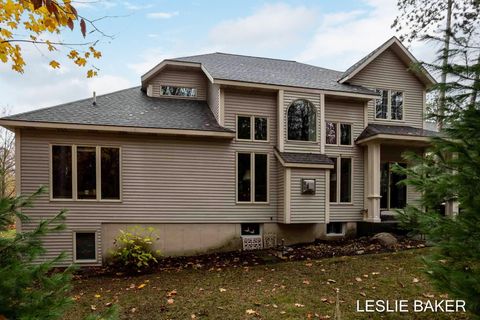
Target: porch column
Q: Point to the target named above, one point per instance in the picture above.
(373, 185)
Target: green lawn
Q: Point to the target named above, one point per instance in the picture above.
(289, 290)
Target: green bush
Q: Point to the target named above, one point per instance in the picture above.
(133, 250)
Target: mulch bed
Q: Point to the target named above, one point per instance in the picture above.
(235, 259)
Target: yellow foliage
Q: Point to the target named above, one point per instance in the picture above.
(50, 18)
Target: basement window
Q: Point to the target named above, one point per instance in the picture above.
(250, 229)
(85, 246)
(178, 91)
(335, 228)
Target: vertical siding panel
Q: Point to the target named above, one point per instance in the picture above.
(307, 208)
(338, 110)
(213, 100)
(387, 71)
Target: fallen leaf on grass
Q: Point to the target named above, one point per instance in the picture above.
(363, 294)
(170, 301)
(358, 279)
(108, 304)
(141, 286)
(306, 282)
(375, 273)
(193, 316)
(222, 289)
(133, 310)
(97, 296)
(308, 264)
(415, 280)
(331, 280)
(172, 293)
(299, 305)
(428, 295)
(251, 312)
(93, 307)
(282, 312)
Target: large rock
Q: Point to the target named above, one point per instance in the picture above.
(385, 239)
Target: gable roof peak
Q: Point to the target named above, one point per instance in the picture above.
(402, 52)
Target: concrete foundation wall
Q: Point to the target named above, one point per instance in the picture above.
(193, 239)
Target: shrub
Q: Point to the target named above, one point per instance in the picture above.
(133, 250)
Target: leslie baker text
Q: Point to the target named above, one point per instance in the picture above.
(404, 306)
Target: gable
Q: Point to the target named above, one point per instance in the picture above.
(179, 77)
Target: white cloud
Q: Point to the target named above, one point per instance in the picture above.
(150, 59)
(271, 27)
(162, 15)
(343, 38)
(135, 6)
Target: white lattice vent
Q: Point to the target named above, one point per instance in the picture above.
(270, 240)
(252, 242)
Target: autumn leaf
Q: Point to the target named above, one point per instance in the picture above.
(415, 280)
(251, 312)
(299, 305)
(141, 286)
(54, 64)
(170, 301)
(97, 296)
(91, 73)
(222, 290)
(83, 27)
(93, 307)
(358, 279)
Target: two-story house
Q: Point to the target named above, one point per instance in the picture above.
(216, 148)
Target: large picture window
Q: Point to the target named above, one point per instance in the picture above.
(252, 128)
(302, 121)
(62, 172)
(96, 167)
(252, 177)
(341, 180)
(389, 105)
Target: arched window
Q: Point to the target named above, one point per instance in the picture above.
(302, 122)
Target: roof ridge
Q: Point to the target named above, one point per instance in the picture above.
(257, 57)
(62, 104)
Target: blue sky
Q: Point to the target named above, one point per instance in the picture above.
(328, 33)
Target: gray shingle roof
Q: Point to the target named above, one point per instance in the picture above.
(375, 129)
(131, 108)
(304, 158)
(272, 71)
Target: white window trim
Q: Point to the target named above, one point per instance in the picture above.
(338, 188)
(252, 127)
(389, 106)
(74, 233)
(252, 178)
(317, 129)
(338, 134)
(335, 234)
(74, 173)
(178, 86)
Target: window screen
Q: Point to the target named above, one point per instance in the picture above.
(61, 172)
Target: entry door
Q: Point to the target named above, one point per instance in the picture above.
(394, 195)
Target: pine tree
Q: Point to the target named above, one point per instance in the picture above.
(30, 290)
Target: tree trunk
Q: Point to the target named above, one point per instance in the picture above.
(446, 51)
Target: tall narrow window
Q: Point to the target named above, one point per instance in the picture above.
(86, 173)
(331, 134)
(341, 180)
(244, 177)
(261, 128)
(244, 128)
(62, 172)
(381, 104)
(302, 121)
(345, 180)
(333, 181)
(260, 178)
(397, 105)
(345, 134)
(252, 177)
(85, 246)
(110, 169)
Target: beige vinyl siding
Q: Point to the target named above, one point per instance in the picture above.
(281, 192)
(165, 180)
(301, 146)
(347, 111)
(182, 78)
(213, 100)
(307, 208)
(387, 71)
(247, 102)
